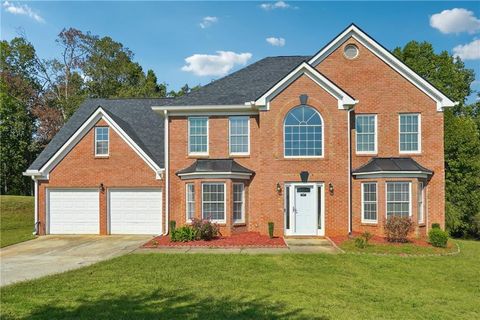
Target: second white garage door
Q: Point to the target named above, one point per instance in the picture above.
(135, 211)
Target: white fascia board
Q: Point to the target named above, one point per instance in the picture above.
(215, 175)
(205, 108)
(80, 133)
(386, 56)
(344, 100)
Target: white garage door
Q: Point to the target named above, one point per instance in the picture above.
(73, 211)
(135, 211)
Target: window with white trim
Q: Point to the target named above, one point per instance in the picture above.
(198, 135)
(369, 202)
(190, 196)
(101, 141)
(409, 138)
(238, 202)
(303, 133)
(366, 131)
(421, 202)
(398, 199)
(239, 135)
(213, 201)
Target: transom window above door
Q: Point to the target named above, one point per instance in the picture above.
(303, 133)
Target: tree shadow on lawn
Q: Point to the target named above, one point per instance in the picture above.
(172, 305)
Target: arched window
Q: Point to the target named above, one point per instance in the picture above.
(303, 133)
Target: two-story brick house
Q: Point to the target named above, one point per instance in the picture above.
(320, 145)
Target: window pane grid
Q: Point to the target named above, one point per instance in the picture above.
(365, 133)
(190, 201)
(420, 202)
(239, 134)
(303, 132)
(369, 201)
(409, 132)
(213, 201)
(101, 140)
(238, 202)
(398, 199)
(198, 135)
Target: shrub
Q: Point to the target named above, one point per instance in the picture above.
(397, 228)
(184, 234)
(437, 237)
(362, 241)
(173, 224)
(435, 225)
(205, 229)
(270, 229)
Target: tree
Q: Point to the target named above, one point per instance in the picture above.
(18, 95)
(462, 136)
(183, 91)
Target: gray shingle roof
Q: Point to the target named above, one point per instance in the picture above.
(134, 116)
(391, 164)
(215, 165)
(244, 85)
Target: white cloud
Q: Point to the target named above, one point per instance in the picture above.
(208, 21)
(218, 64)
(22, 10)
(469, 51)
(455, 21)
(275, 5)
(276, 42)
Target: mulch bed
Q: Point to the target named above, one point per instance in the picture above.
(241, 240)
(380, 240)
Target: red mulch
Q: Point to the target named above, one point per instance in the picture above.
(379, 240)
(241, 240)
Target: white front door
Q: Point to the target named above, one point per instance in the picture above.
(135, 211)
(305, 211)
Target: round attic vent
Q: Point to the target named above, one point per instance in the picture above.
(351, 51)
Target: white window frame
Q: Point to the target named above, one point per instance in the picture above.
(108, 142)
(421, 202)
(323, 137)
(419, 133)
(224, 201)
(375, 150)
(242, 219)
(409, 197)
(230, 136)
(187, 201)
(363, 203)
(208, 137)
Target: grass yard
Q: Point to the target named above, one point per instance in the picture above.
(398, 248)
(16, 219)
(182, 286)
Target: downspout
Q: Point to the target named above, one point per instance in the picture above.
(35, 193)
(167, 193)
(349, 133)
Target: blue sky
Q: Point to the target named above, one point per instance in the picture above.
(217, 38)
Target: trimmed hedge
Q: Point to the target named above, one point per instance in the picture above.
(438, 238)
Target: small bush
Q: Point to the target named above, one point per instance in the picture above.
(270, 229)
(435, 225)
(362, 241)
(205, 229)
(184, 234)
(437, 237)
(173, 224)
(397, 228)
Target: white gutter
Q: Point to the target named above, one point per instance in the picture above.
(167, 193)
(349, 172)
(35, 193)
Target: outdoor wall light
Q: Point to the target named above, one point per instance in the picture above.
(101, 187)
(279, 188)
(330, 188)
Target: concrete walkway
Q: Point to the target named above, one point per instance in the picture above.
(54, 254)
(293, 246)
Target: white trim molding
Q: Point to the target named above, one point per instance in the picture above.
(345, 101)
(386, 56)
(80, 133)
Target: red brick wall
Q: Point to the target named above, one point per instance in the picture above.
(81, 169)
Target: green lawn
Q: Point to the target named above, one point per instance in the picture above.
(16, 219)
(345, 286)
(398, 248)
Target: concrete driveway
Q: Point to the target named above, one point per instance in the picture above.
(54, 254)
